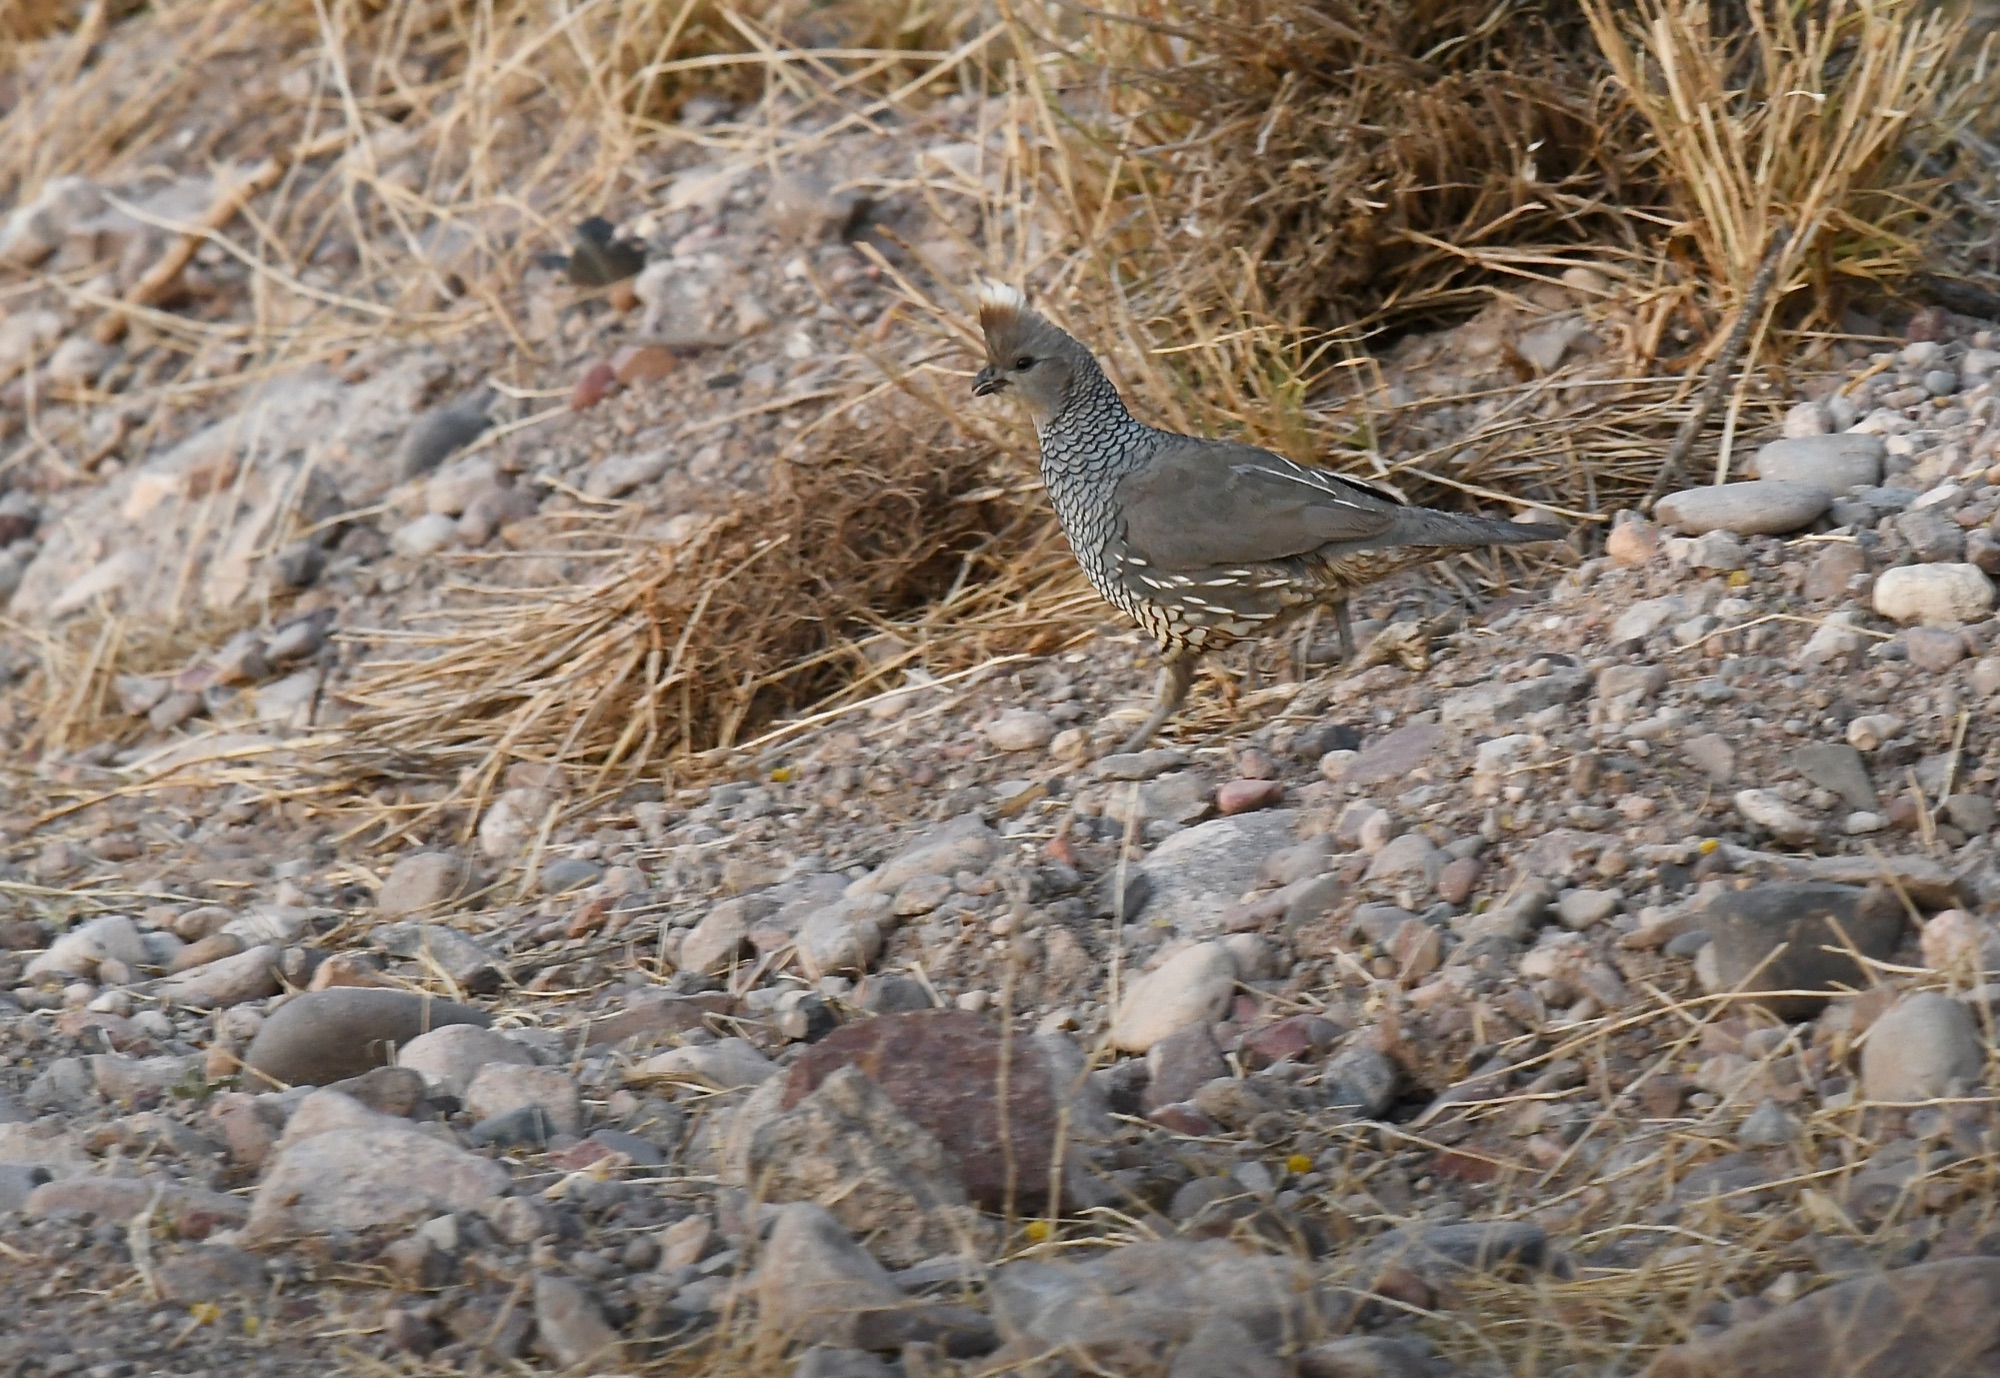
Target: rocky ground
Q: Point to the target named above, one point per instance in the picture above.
(1387, 1022)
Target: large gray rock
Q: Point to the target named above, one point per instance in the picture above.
(847, 1147)
(1776, 936)
(1197, 874)
(364, 1178)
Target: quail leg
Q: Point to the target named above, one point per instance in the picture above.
(1302, 647)
(1340, 620)
(1175, 676)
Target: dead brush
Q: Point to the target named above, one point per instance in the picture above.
(883, 549)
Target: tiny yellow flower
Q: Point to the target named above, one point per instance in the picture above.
(1037, 1230)
(1739, 578)
(1298, 1165)
(781, 775)
(205, 1313)
(1708, 844)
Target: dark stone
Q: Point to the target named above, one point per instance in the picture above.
(1838, 767)
(1181, 1064)
(395, 1091)
(326, 1036)
(1804, 918)
(1394, 756)
(525, 1126)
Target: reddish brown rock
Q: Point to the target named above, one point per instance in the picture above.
(942, 1069)
(1242, 796)
(597, 383)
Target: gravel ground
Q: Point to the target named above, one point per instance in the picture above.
(1594, 970)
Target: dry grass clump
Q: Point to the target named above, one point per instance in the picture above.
(1346, 155)
(898, 543)
(1796, 116)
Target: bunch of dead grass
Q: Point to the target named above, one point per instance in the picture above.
(898, 544)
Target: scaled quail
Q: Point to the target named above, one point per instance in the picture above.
(1202, 542)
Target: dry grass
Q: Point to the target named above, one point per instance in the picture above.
(899, 545)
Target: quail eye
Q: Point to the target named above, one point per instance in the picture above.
(1024, 363)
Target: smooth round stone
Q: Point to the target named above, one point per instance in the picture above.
(1761, 507)
(1191, 987)
(1927, 1046)
(1840, 462)
(1938, 595)
(329, 1035)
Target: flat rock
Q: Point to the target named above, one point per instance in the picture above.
(1394, 755)
(79, 952)
(1198, 873)
(330, 1035)
(191, 1212)
(1927, 1046)
(1939, 595)
(1021, 729)
(469, 963)
(1191, 987)
(1747, 928)
(1839, 462)
(1838, 767)
(1181, 796)
(570, 1325)
(1919, 1322)
(1770, 812)
(1760, 507)
(362, 1179)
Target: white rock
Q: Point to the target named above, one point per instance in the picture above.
(500, 1087)
(1775, 816)
(109, 937)
(1926, 1047)
(1937, 595)
(1199, 872)
(36, 230)
(1021, 729)
(23, 335)
(842, 939)
(1191, 987)
(512, 821)
(78, 362)
(362, 1179)
(1807, 419)
(1409, 857)
(426, 535)
(451, 489)
(724, 1064)
(1834, 639)
(964, 843)
(1645, 617)
(449, 1058)
(1870, 730)
(616, 475)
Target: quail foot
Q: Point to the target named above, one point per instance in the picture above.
(1202, 542)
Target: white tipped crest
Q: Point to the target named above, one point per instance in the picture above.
(1000, 305)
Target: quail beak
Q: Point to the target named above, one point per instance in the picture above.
(988, 381)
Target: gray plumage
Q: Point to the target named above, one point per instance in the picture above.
(1202, 542)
